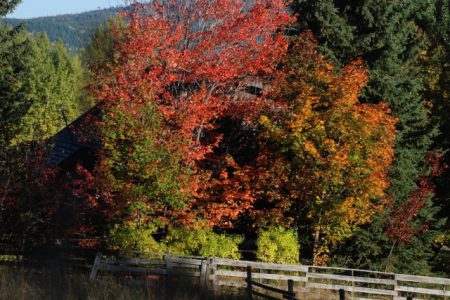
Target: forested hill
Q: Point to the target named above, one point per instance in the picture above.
(73, 29)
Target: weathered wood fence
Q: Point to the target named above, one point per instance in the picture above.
(274, 279)
(139, 270)
(289, 294)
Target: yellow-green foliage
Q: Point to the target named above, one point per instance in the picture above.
(129, 239)
(53, 87)
(278, 245)
(203, 242)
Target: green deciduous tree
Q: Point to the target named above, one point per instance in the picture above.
(139, 181)
(53, 91)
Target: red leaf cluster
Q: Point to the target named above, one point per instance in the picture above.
(401, 227)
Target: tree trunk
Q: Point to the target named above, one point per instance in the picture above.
(316, 247)
(388, 261)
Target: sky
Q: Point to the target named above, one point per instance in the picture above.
(41, 8)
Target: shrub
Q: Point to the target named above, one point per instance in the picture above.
(129, 238)
(278, 245)
(202, 242)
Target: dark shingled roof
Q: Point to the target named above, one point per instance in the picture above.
(66, 142)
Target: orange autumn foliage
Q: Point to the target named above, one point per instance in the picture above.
(338, 149)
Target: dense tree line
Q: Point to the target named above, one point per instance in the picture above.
(328, 146)
(74, 30)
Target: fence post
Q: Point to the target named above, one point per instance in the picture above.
(168, 261)
(307, 280)
(395, 285)
(203, 272)
(341, 294)
(353, 284)
(212, 271)
(95, 267)
(291, 289)
(168, 283)
(409, 297)
(249, 283)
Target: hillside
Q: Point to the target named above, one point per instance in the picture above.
(73, 29)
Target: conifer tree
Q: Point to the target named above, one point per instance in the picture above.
(437, 84)
(7, 6)
(15, 57)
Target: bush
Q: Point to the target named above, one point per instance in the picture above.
(128, 238)
(278, 245)
(203, 242)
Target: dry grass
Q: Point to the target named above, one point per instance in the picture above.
(25, 283)
(32, 283)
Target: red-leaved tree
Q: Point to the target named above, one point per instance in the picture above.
(187, 63)
(191, 57)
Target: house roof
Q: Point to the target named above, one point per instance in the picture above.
(68, 141)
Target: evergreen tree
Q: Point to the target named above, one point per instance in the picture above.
(15, 59)
(437, 83)
(370, 249)
(386, 35)
(7, 6)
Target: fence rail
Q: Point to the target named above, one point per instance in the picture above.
(171, 266)
(288, 280)
(289, 294)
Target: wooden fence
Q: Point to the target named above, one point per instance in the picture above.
(137, 270)
(215, 273)
(288, 295)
